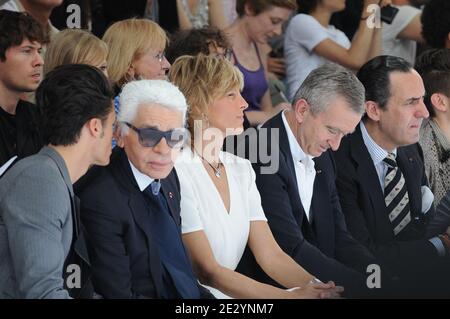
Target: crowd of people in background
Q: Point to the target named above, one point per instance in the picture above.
(225, 149)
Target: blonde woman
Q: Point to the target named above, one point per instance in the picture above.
(74, 46)
(220, 204)
(136, 51)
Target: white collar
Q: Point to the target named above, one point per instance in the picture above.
(141, 179)
(297, 152)
(377, 153)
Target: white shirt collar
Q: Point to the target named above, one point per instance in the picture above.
(377, 153)
(297, 153)
(141, 179)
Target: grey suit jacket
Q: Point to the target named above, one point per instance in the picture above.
(35, 227)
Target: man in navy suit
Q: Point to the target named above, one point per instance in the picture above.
(131, 208)
(297, 180)
(381, 179)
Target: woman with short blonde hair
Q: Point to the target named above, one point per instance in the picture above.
(75, 46)
(210, 80)
(136, 51)
(221, 208)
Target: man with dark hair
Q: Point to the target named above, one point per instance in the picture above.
(21, 64)
(381, 179)
(434, 67)
(436, 23)
(42, 247)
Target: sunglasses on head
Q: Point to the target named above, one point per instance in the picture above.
(149, 137)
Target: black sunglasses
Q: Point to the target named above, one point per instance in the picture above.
(149, 137)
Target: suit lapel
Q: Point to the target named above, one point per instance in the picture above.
(79, 237)
(79, 242)
(409, 168)
(136, 200)
(169, 195)
(368, 175)
(320, 191)
(322, 226)
(139, 209)
(140, 213)
(286, 155)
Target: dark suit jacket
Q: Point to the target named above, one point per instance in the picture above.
(124, 256)
(323, 246)
(441, 220)
(364, 208)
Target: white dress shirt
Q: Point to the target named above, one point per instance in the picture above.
(141, 179)
(304, 169)
(377, 153)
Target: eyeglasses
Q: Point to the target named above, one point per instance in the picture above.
(160, 56)
(149, 137)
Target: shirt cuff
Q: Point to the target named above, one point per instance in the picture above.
(437, 243)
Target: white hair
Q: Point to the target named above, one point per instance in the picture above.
(159, 92)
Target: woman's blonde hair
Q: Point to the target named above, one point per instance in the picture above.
(74, 46)
(127, 41)
(202, 79)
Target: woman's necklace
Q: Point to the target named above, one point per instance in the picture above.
(217, 171)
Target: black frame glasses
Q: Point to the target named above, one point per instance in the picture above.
(149, 137)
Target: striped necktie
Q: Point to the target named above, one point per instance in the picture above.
(396, 195)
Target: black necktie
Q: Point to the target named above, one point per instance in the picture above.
(171, 250)
(396, 195)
